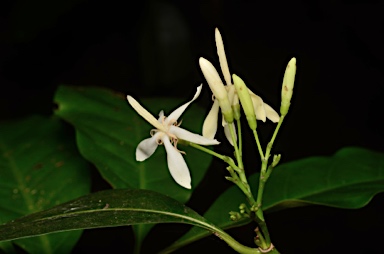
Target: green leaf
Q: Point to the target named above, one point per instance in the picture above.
(108, 208)
(39, 168)
(111, 208)
(349, 179)
(108, 131)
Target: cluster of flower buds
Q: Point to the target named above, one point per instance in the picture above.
(227, 97)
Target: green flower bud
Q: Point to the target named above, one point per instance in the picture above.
(246, 101)
(276, 160)
(287, 88)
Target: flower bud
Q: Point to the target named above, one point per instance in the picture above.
(276, 160)
(217, 88)
(245, 100)
(287, 88)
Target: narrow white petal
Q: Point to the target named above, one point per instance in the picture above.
(161, 115)
(176, 165)
(174, 116)
(227, 133)
(144, 113)
(147, 147)
(222, 58)
(271, 113)
(223, 122)
(192, 137)
(258, 106)
(210, 122)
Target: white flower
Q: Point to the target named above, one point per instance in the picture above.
(262, 110)
(168, 132)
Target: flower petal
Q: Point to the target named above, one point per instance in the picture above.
(174, 116)
(191, 137)
(222, 58)
(223, 122)
(144, 113)
(147, 147)
(210, 122)
(271, 113)
(227, 133)
(258, 106)
(176, 165)
(161, 116)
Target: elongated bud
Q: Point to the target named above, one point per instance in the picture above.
(287, 88)
(222, 57)
(245, 100)
(217, 88)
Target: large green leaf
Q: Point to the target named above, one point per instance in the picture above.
(349, 179)
(108, 131)
(39, 168)
(111, 208)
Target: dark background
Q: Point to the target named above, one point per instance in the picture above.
(149, 48)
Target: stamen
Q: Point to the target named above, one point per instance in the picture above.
(172, 136)
(178, 124)
(172, 122)
(174, 140)
(153, 132)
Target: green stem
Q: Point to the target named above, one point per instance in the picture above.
(236, 245)
(264, 175)
(239, 158)
(244, 188)
(261, 240)
(224, 158)
(258, 144)
(270, 144)
(241, 248)
(237, 152)
(263, 226)
(240, 137)
(242, 183)
(208, 151)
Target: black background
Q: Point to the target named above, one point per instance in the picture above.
(150, 48)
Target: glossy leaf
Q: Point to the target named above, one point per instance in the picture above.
(110, 208)
(349, 179)
(108, 131)
(39, 168)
